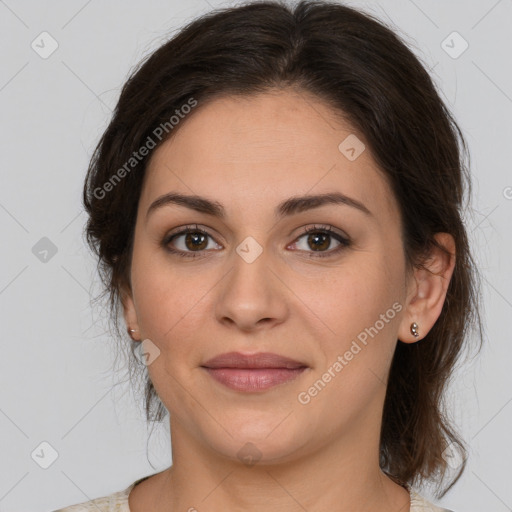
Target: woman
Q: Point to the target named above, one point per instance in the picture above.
(277, 210)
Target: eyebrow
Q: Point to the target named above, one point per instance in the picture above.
(291, 206)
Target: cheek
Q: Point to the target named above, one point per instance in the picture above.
(168, 309)
(348, 298)
(168, 295)
(357, 348)
(356, 315)
(171, 319)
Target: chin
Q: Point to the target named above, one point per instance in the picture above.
(260, 443)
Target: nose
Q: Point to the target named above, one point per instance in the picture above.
(251, 296)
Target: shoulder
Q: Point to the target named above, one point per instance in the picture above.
(115, 502)
(420, 504)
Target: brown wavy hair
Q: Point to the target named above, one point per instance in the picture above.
(366, 73)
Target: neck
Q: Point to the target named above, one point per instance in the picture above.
(342, 475)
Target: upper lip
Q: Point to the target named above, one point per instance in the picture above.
(258, 360)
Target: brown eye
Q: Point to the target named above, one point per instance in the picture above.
(319, 240)
(195, 240)
(187, 242)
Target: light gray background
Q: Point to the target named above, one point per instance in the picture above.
(56, 378)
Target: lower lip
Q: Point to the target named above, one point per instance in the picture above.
(253, 379)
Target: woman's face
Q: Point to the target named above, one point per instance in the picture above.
(256, 283)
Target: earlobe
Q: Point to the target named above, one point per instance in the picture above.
(431, 281)
(131, 333)
(129, 313)
(414, 329)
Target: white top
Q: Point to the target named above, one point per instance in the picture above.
(118, 502)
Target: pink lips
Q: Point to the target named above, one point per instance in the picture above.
(253, 372)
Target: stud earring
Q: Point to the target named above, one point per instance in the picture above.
(414, 329)
(130, 333)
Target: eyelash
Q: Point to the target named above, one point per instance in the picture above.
(344, 242)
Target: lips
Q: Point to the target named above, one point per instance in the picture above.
(256, 361)
(253, 372)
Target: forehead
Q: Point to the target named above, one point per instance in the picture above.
(265, 148)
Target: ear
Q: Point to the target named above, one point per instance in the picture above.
(129, 312)
(427, 290)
